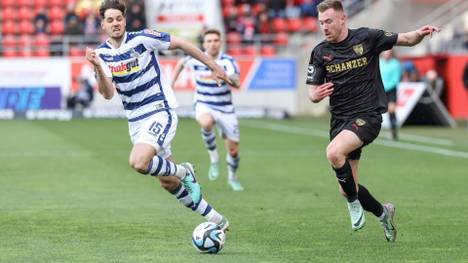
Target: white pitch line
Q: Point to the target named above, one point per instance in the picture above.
(423, 139)
(392, 144)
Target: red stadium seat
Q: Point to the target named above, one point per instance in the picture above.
(268, 51)
(25, 13)
(24, 41)
(250, 50)
(8, 3)
(294, 24)
(41, 52)
(26, 27)
(8, 53)
(233, 38)
(281, 39)
(25, 52)
(228, 2)
(309, 24)
(58, 3)
(56, 13)
(24, 3)
(9, 41)
(279, 25)
(56, 28)
(41, 40)
(40, 3)
(9, 28)
(234, 51)
(8, 14)
(76, 52)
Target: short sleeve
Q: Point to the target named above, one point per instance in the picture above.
(231, 67)
(187, 61)
(383, 40)
(105, 67)
(315, 70)
(155, 40)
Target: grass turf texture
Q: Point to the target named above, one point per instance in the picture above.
(67, 194)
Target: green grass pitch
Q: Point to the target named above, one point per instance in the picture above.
(67, 194)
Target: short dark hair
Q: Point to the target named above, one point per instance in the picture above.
(112, 4)
(211, 31)
(327, 4)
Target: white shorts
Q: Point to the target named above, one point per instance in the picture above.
(227, 122)
(157, 130)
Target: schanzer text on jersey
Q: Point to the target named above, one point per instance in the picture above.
(352, 65)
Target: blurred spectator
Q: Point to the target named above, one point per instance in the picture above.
(41, 21)
(292, 11)
(73, 27)
(91, 25)
(276, 8)
(390, 71)
(434, 81)
(83, 97)
(246, 25)
(136, 16)
(309, 8)
(231, 20)
(70, 12)
(409, 72)
(263, 23)
(85, 7)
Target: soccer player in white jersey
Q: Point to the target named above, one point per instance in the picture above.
(213, 105)
(127, 63)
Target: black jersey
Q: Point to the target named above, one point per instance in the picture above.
(352, 65)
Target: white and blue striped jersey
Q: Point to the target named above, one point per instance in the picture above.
(136, 73)
(206, 89)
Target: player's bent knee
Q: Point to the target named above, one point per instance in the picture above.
(333, 156)
(140, 166)
(233, 151)
(207, 126)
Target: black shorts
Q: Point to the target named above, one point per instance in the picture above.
(391, 95)
(366, 127)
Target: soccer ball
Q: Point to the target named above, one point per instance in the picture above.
(208, 238)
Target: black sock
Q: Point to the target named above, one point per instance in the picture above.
(368, 202)
(393, 125)
(346, 180)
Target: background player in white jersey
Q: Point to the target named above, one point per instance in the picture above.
(127, 62)
(213, 105)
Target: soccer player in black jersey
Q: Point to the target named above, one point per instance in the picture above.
(345, 67)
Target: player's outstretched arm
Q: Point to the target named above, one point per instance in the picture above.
(189, 48)
(235, 79)
(415, 37)
(177, 69)
(318, 92)
(105, 86)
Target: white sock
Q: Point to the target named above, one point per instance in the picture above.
(382, 216)
(214, 158)
(181, 172)
(214, 216)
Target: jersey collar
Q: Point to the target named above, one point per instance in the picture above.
(123, 41)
